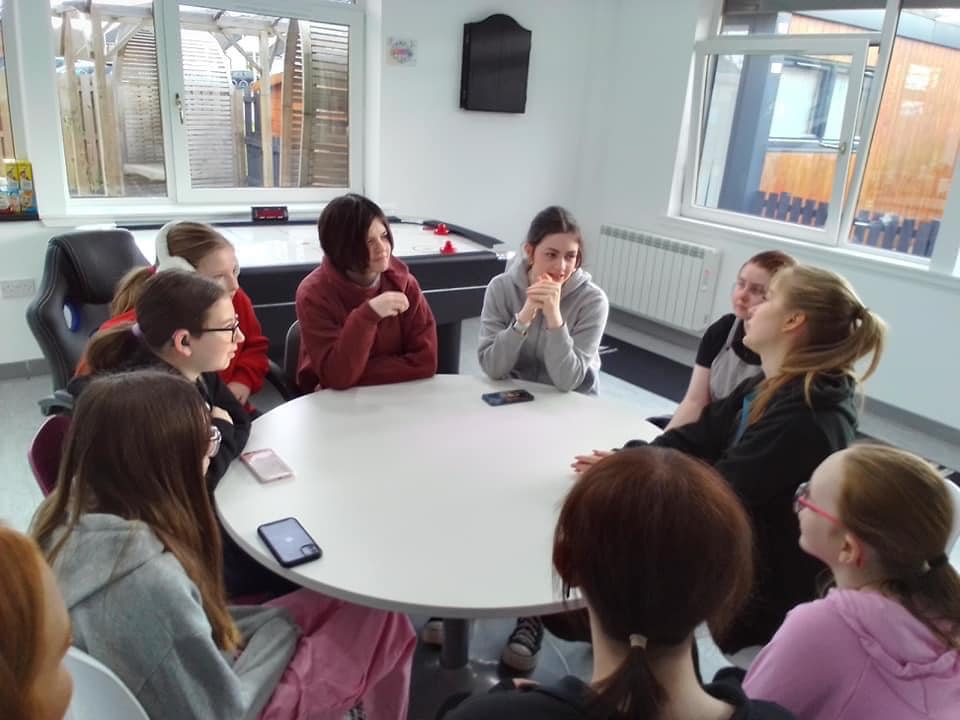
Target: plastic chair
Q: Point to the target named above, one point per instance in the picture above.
(98, 693)
(46, 451)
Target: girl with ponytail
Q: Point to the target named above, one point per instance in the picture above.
(885, 641)
(648, 581)
(771, 432)
(200, 248)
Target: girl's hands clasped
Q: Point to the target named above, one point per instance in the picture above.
(388, 304)
(544, 295)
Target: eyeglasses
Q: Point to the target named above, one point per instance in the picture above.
(801, 499)
(233, 329)
(753, 289)
(216, 437)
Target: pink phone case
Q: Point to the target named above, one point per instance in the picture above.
(266, 465)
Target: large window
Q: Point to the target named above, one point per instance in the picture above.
(219, 101)
(830, 124)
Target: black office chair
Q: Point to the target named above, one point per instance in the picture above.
(80, 272)
(291, 359)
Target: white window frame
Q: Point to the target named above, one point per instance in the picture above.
(854, 45)
(45, 139)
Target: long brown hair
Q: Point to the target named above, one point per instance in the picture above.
(550, 221)
(135, 449)
(657, 543)
(839, 331)
(898, 505)
(189, 240)
(21, 617)
(342, 228)
(171, 300)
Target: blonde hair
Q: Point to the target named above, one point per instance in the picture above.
(839, 330)
(898, 505)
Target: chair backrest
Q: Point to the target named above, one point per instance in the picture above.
(46, 451)
(955, 531)
(98, 693)
(80, 273)
(291, 358)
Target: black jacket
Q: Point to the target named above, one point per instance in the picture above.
(569, 699)
(773, 456)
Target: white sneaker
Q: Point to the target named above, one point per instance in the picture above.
(523, 648)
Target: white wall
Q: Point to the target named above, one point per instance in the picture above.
(640, 126)
(22, 245)
(488, 171)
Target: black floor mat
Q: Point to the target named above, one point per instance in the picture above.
(645, 369)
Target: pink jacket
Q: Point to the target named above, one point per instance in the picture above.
(857, 655)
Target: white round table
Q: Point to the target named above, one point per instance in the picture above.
(423, 498)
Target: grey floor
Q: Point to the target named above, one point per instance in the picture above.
(20, 418)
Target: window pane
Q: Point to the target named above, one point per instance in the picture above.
(798, 17)
(265, 100)
(914, 150)
(7, 149)
(756, 103)
(109, 91)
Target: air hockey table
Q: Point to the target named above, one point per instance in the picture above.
(274, 258)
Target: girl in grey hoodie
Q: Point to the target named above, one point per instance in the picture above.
(131, 536)
(543, 318)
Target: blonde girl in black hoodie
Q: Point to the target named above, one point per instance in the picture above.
(771, 432)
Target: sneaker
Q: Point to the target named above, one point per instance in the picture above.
(523, 647)
(432, 632)
(356, 713)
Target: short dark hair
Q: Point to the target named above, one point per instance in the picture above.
(657, 542)
(553, 220)
(343, 226)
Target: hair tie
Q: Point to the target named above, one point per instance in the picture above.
(939, 561)
(137, 332)
(166, 261)
(638, 640)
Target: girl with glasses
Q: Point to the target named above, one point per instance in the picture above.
(770, 433)
(723, 361)
(648, 581)
(198, 247)
(884, 643)
(131, 536)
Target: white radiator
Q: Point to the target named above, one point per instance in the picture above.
(665, 280)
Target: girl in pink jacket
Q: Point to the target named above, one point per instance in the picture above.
(884, 644)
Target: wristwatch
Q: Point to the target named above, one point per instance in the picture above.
(519, 326)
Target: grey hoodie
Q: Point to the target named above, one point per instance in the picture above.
(567, 357)
(134, 609)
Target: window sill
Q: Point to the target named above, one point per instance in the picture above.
(165, 212)
(708, 233)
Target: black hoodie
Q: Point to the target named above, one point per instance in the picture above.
(765, 466)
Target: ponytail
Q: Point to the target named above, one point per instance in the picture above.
(129, 289)
(114, 347)
(632, 692)
(840, 330)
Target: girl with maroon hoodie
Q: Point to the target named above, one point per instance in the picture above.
(363, 319)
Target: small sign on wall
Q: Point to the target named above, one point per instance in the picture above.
(401, 51)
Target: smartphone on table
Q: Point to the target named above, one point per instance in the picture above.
(266, 465)
(506, 397)
(290, 544)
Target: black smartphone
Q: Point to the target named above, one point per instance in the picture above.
(506, 397)
(290, 544)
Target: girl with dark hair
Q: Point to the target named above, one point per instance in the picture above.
(198, 247)
(34, 634)
(543, 318)
(648, 581)
(770, 433)
(363, 319)
(884, 643)
(131, 535)
(723, 361)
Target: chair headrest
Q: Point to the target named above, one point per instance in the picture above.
(96, 260)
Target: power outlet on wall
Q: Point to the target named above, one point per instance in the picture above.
(12, 289)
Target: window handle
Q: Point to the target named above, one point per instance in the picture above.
(841, 148)
(178, 101)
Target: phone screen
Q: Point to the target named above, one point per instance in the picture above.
(289, 542)
(506, 397)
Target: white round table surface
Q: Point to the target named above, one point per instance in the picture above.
(423, 498)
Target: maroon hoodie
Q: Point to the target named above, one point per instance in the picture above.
(344, 343)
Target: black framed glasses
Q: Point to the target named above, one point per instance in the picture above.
(233, 329)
